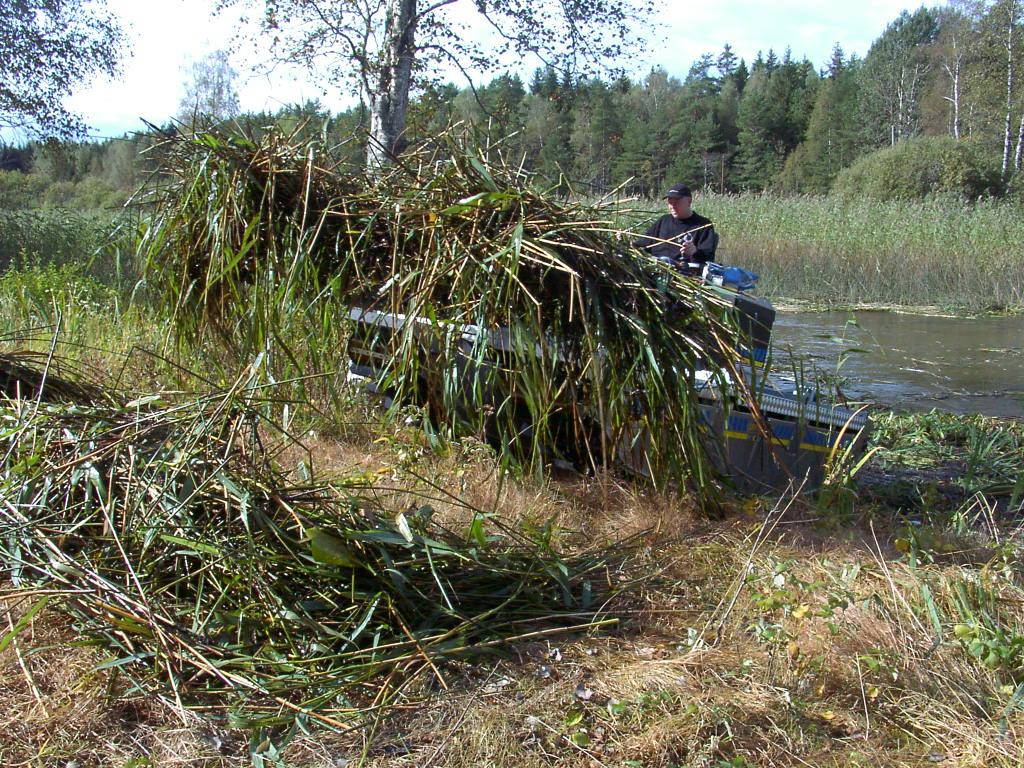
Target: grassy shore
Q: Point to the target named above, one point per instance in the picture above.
(828, 251)
(877, 624)
(783, 635)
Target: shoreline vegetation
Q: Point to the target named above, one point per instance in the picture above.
(340, 586)
(878, 624)
(936, 256)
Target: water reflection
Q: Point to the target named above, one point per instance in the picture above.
(913, 361)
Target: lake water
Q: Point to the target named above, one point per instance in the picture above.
(965, 365)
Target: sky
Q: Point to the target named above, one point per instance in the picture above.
(166, 36)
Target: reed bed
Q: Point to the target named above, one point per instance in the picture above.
(924, 253)
(213, 579)
(266, 243)
(57, 237)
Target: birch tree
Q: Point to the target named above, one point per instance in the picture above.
(48, 48)
(381, 50)
(210, 89)
(954, 37)
(894, 73)
(1007, 17)
(993, 78)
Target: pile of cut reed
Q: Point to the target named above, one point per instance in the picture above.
(167, 529)
(269, 242)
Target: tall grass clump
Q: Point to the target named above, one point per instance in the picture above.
(266, 244)
(64, 311)
(939, 251)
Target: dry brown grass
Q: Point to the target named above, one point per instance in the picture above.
(766, 639)
(57, 709)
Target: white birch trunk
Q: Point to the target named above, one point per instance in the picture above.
(1018, 157)
(954, 92)
(1008, 125)
(389, 99)
(908, 123)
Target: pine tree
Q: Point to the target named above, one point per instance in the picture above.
(833, 140)
(740, 76)
(596, 139)
(760, 154)
(726, 63)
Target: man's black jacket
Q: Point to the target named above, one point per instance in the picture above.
(669, 228)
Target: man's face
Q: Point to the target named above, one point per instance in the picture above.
(680, 207)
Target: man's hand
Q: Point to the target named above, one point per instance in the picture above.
(688, 250)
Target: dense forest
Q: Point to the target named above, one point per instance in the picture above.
(936, 105)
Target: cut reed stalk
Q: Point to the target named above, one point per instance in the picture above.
(582, 345)
(170, 534)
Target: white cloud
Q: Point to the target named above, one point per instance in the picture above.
(810, 29)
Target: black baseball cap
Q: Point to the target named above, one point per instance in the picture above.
(679, 190)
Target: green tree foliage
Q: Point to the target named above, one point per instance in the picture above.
(83, 176)
(1001, 40)
(596, 139)
(833, 138)
(438, 107)
(20, 191)
(777, 124)
(943, 106)
(15, 158)
(494, 113)
(697, 138)
(633, 165)
(915, 168)
(893, 77)
(772, 119)
(47, 49)
(761, 153)
(727, 62)
(548, 127)
(382, 51)
(650, 111)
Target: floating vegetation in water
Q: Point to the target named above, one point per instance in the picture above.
(978, 454)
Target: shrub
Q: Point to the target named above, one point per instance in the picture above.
(20, 190)
(1015, 189)
(917, 168)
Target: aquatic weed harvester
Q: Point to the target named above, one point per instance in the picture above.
(762, 431)
(788, 430)
(508, 312)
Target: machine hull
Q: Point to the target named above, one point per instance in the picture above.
(785, 439)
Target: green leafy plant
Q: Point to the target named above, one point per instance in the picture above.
(982, 629)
